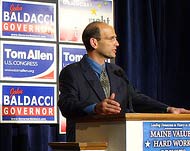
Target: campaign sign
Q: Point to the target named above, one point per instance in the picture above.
(74, 15)
(70, 54)
(28, 61)
(28, 103)
(28, 20)
(166, 136)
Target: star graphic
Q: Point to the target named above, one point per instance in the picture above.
(99, 5)
(147, 143)
(93, 11)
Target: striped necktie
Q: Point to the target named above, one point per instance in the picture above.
(104, 80)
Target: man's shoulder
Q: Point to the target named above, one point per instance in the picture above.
(69, 70)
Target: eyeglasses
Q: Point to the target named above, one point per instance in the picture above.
(110, 38)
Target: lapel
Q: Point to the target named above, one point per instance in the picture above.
(92, 78)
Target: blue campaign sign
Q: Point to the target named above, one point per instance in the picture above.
(20, 21)
(71, 54)
(166, 136)
(28, 61)
(28, 103)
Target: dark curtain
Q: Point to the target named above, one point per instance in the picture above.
(20, 137)
(154, 47)
(154, 51)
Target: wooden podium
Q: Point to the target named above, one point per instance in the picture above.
(137, 132)
(133, 132)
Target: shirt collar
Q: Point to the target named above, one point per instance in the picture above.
(95, 66)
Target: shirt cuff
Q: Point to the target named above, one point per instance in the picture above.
(90, 109)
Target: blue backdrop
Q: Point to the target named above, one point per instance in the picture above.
(154, 50)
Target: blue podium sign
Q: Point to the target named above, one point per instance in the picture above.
(166, 136)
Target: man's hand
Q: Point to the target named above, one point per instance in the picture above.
(175, 110)
(108, 106)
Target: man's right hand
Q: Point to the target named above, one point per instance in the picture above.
(108, 106)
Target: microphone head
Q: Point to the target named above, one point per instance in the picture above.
(121, 74)
(118, 73)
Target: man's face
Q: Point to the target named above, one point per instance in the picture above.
(108, 43)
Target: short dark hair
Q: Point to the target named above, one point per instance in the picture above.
(92, 30)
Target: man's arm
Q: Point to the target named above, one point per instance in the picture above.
(68, 102)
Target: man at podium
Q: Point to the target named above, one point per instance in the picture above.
(94, 86)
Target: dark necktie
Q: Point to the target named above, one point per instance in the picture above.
(105, 83)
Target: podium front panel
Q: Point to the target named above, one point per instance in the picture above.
(158, 135)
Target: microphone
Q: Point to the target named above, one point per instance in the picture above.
(121, 74)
